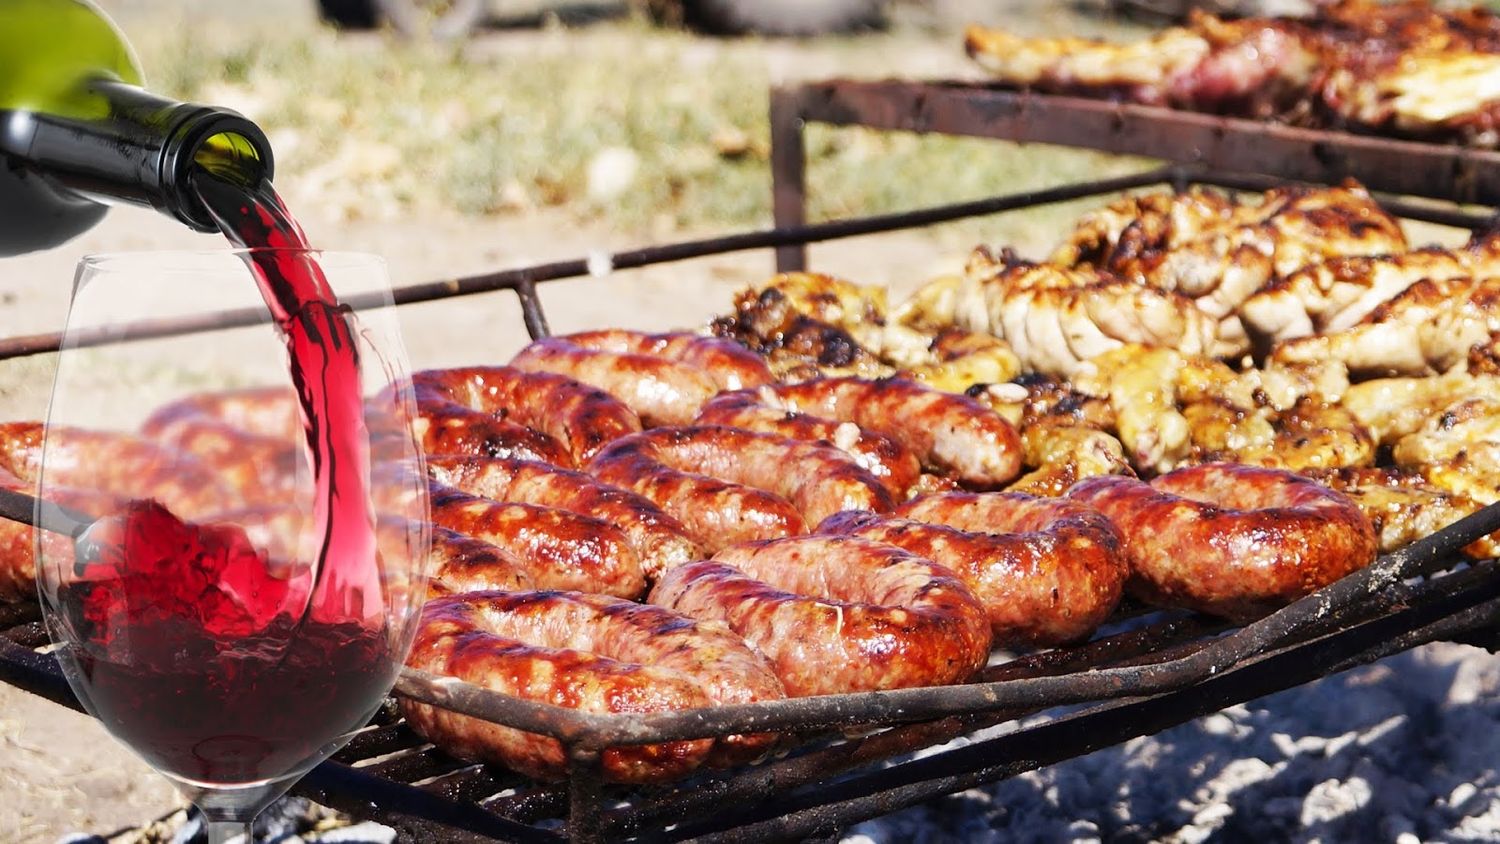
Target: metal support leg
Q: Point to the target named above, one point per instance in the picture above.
(788, 175)
(585, 796)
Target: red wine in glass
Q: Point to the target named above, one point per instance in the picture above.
(228, 668)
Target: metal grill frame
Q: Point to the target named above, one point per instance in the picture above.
(1137, 682)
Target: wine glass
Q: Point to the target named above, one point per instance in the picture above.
(245, 581)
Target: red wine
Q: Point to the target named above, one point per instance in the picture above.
(216, 662)
(192, 651)
(323, 359)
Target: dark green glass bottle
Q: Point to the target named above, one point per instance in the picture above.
(78, 132)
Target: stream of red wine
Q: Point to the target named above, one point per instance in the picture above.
(217, 663)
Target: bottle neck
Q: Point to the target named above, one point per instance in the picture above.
(142, 153)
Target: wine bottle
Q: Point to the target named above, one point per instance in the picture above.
(78, 132)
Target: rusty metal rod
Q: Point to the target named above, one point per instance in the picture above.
(521, 278)
(1442, 171)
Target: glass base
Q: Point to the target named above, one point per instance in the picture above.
(228, 811)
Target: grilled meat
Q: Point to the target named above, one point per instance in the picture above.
(1241, 67)
(1232, 540)
(1427, 329)
(1404, 68)
(1055, 318)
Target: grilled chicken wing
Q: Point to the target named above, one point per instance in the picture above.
(1427, 329)
(1404, 506)
(1055, 318)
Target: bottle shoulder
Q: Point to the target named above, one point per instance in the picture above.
(51, 49)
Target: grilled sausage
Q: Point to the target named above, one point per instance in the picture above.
(115, 464)
(883, 456)
(665, 378)
(727, 485)
(950, 432)
(1231, 540)
(838, 614)
(586, 652)
(455, 562)
(263, 468)
(580, 417)
(560, 550)
(1048, 571)
(449, 428)
(728, 364)
(18, 542)
(659, 540)
(266, 411)
(462, 563)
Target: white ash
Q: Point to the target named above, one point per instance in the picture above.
(1405, 750)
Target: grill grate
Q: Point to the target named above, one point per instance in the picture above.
(1148, 673)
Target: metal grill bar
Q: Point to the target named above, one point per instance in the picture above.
(525, 279)
(1411, 168)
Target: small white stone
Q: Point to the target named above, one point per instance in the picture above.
(1462, 794)
(363, 833)
(611, 173)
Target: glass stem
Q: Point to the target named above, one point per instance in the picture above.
(225, 831)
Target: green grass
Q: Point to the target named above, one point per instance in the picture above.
(511, 123)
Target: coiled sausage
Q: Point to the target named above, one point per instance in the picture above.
(727, 485)
(1231, 540)
(838, 614)
(586, 652)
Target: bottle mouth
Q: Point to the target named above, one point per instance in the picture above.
(220, 142)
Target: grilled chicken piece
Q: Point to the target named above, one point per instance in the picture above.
(1427, 329)
(1310, 224)
(1458, 449)
(1219, 253)
(955, 360)
(1056, 318)
(1251, 67)
(1404, 506)
(809, 325)
(1274, 387)
(1336, 294)
(1310, 435)
(1410, 68)
(1484, 358)
(1392, 408)
(1066, 435)
(1143, 222)
(1141, 385)
(1066, 454)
